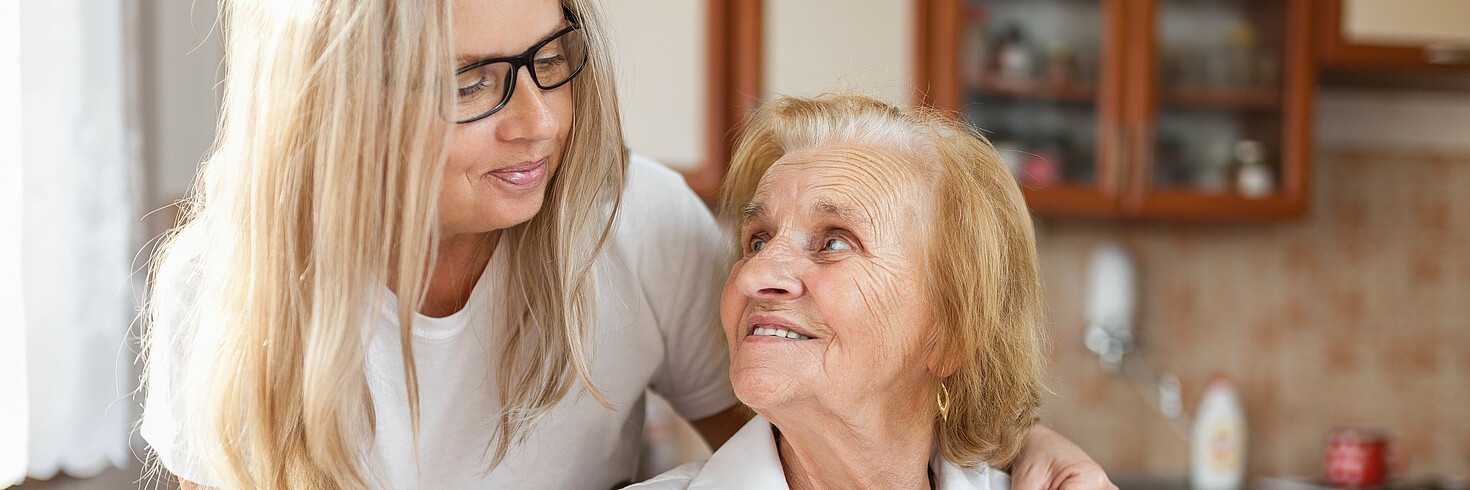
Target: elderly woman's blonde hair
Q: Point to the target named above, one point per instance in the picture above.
(983, 281)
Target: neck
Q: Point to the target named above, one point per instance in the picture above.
(877, 449)
(461, 261)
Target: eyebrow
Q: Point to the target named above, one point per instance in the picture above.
(843, 213)
(752, 212)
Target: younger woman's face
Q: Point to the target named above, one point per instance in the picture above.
(499, 166)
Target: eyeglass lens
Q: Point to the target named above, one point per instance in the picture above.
(485, 89)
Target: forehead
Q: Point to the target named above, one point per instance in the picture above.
(871, 179)
(494, 28)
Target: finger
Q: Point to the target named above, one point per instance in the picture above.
(1028, 477)
(1087, 480)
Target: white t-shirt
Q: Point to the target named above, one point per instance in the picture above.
(657, 300)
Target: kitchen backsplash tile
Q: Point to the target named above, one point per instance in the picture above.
(1358, 314)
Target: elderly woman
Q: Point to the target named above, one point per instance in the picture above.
(882, 318)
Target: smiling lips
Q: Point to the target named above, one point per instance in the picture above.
(522, 176)
(776, 332)
(764, 326)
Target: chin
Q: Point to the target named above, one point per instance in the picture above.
(505, 213)
(762, 389)
(521, 213)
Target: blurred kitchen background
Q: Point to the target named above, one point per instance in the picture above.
(1280, 177)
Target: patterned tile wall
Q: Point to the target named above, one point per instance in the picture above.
(1358, 314)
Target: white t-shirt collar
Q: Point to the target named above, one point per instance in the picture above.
(432, 329)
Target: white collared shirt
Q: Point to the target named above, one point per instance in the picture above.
(749, 460)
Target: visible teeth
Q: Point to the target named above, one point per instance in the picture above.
(776, 332)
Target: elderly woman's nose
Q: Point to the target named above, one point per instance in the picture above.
(771, 273)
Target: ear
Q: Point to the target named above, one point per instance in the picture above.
(942, 362)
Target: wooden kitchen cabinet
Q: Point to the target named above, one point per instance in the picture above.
(1140, 109)
(1393, 34)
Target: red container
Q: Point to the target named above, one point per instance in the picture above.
(1356, 458)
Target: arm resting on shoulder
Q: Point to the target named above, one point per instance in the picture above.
(1049, 461)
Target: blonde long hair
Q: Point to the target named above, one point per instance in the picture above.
(322, 186)
(983, 276)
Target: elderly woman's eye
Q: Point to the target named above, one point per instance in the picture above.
(836, 244)
(756, 244)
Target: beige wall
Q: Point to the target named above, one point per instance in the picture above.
(659, 47)
(815, 46)
(182, 59)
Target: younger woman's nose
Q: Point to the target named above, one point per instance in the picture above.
(528, 115)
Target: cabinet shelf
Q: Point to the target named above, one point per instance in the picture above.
(1066, 91)
(1218, 98)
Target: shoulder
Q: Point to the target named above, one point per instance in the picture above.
(181, 265)
(178, 282)
(172, 334)
(661, 222)
(656, 190)
(676, 479)
(644, 173)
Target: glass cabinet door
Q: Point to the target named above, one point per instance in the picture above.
(1218, 133)
(1034, 79)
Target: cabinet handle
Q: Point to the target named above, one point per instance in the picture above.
(1445, 54)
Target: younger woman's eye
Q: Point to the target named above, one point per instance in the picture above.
(486, 80)
(465, 92)
(836, 244)
(472, 88)
(550, 61)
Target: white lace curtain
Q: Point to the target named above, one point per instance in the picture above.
(70, 225)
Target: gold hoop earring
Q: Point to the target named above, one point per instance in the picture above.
(943, 398)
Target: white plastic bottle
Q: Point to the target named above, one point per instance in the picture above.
(1217, 440)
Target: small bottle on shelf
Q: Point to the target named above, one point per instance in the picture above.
(1012, 58)
(1253, 180)
(1061, 62)
(1241, 52)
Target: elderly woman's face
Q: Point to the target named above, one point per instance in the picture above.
(827, 305)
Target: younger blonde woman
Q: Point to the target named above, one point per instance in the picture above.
(420, 257)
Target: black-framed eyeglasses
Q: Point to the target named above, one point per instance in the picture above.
(485, 87)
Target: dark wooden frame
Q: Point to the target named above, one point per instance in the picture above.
(733, 86)
(1297, 101)
(1128, 102)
